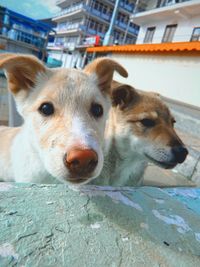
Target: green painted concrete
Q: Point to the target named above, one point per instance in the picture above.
(53, 225)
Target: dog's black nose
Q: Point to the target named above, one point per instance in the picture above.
(180, 153)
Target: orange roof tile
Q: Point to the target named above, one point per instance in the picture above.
(149, 48)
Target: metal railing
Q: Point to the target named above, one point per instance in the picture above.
(144, 5)
(36, 40)
(70, 9)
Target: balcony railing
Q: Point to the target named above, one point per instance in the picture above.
(34, 39)
(126, 6)
(70, 9)
(68, 27)
(146, 6)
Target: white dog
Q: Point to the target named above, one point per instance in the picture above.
(65, 112)
(140, 129)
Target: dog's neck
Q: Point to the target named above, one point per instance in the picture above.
(122, 165)
(28, 162)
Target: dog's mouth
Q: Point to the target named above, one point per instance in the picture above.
(162, 164)
(78, 180)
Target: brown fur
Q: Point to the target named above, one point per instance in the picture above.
(105, 71)
(151, 107)
(25, 67)
(140, 129)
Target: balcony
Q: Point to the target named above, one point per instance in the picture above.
(72, 10)
(62, 3)
(27, 37)
(166, 10)
(76, 9)
(133, 30)
(120, 24)
(144, 6)
(96, 13)
(70, 27)
(129, 8)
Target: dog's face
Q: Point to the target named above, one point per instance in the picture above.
(149, 126)
(64, 113)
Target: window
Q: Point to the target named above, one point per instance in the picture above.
(169, 33)
(195, 35)
(149, 35)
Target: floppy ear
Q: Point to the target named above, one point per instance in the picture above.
(21, 71)
(123, 95)
(104, 69)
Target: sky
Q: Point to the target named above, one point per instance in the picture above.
(35, 9)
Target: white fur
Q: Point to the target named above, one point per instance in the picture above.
(123, 165)
(36, 151)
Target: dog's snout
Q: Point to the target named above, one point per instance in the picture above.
(81, 161)
(180, 153)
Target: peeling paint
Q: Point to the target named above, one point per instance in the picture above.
(144, 226)
(7, 250)
(124, 239)
(182, 226)
(50, 202)
(59, 227)
(187, 193)
(95, 226)
(111, 192)
(160, 201)
(119, 197)
(197, 236)
(5, 186)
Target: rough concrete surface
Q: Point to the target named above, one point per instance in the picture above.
(188, 127)
(52, 225)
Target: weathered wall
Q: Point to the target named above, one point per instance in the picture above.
(51, 225)
(174, 76)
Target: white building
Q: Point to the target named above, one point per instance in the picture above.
(84, 23)
(166, 57)
(164, 21)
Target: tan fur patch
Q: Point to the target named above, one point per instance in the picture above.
(104, 69)
(150, 106)
(7, 135)
(21, 71)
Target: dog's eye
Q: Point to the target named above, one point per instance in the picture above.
(47, 109)
(96, 110)
(148, 122)
(173, 121)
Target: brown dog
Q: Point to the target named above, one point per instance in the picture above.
(140, 129)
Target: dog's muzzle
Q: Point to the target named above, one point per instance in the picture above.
(177, 155)
(80, 163)
(180, 153)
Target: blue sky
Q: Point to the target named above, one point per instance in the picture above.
(35, 9)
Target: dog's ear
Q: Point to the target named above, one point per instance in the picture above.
(123, 95)
(104, 69)
(21, 71)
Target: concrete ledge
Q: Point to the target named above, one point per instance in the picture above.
(53, 225)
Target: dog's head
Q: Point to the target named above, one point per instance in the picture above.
(64, 112)
(148, 125)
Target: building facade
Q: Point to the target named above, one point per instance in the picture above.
(19, 34)
(163, 21)
(85, 23)
(22, 34)
(171, 69)
(166, 56)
